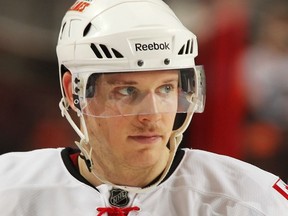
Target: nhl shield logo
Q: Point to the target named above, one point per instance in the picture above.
(118, 197)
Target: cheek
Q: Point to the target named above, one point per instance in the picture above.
(91, 104)
(108, 131)
(115, 129)
(170, 120)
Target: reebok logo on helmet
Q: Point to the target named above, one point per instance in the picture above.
(152, 46)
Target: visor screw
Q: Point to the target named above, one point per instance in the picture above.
(76, 80)
(166, 61)
(77, 90)
(76, 101)
(140, 63)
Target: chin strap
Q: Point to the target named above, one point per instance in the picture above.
(84, 138)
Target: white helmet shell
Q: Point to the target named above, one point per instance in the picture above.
(124, 35)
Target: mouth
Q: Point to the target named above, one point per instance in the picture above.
(146, 139)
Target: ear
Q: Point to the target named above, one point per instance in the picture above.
(67, 86)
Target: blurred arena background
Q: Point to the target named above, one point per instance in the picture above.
(243, 45)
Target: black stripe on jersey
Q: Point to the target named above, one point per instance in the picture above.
(177, 159)
(76, 174)
(65, 154)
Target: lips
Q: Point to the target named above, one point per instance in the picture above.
(146, 139)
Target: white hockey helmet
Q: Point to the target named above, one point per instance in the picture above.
(109, 36)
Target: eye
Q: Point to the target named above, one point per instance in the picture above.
(166, 89)
(127, 91)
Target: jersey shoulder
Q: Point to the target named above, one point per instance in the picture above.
(31, 167)
(221, 166)
(225, 178)
(30, 180)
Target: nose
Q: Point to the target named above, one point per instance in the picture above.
(148, 108)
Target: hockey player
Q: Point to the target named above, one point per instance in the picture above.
(127, 69)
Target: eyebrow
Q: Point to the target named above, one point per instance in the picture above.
(121, 82)
(132, 82)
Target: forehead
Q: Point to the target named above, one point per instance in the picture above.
(140, 77)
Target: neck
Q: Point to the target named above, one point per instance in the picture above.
(132, 177)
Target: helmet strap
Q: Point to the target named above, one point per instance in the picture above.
(84, 138)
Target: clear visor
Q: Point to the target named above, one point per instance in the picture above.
(143, 93)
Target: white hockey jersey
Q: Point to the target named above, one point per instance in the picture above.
(47, 183)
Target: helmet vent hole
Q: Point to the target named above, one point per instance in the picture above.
(102, 51)
(87, 29)
(117, 54)
(106, 51)
(181, 50)
(96, 51)
(62, 30)
(186, 48)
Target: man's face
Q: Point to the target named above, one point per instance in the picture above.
(133, 117)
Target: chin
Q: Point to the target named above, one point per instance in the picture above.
(148, 158)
